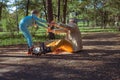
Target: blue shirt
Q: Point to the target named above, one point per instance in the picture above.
(30, 20)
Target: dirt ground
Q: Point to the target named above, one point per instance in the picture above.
(100, 60)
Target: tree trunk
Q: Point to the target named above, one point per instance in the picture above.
(27, 7)
(45, 9)
(105, 19)
(116, 24)
(17, 24)
(95, 17)
(49, 10)
(1, 10)
(58, 10)
(50, 16)
(64, 10)
(0, 13)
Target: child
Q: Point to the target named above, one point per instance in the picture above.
(27, 21)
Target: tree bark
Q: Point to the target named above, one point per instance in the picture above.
(1, 4)
(95, 17)
(64, 10)
(50, 17)
(58, 10)
(116, 24)
(0, 13)
(45, 9)
(49, 10)
(27, 7)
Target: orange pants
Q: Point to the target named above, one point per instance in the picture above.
(62, 44)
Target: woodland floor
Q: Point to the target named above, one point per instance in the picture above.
(99, 60)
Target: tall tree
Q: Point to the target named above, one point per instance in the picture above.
(45, 9)
(50, 16)
(64, 10)
(95, 17)
(27, 7)
(49, 10)
(3, 4)
(17, 24)
(58, 10)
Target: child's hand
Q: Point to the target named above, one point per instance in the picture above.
(36, 27)
(52, 23)
(49, 29)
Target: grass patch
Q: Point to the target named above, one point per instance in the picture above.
(40, 35)
(6, 39)
(97, 29)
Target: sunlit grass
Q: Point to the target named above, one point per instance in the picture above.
(41, 35)
(97, 29)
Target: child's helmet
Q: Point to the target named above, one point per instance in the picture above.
(36, 50)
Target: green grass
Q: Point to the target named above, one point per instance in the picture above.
(6, 39)
(97, 29)
(11, 41)
(40, 35)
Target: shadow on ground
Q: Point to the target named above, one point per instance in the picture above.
(94, 63)
(62, 67)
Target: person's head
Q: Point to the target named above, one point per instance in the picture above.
(72, 20)
(35, 12)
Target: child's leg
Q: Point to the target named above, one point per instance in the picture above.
(27, 35)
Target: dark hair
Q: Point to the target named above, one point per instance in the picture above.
(34, 12)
